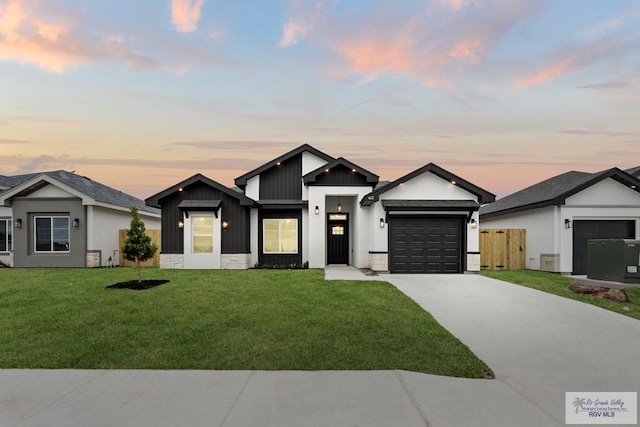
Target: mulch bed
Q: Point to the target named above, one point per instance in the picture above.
(137, 286)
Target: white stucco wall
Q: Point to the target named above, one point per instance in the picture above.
(428, 186)
(326, 198)
(103, 225)
(541, 232)
(253, 224)
(252, 189)
(310, 162)
(6, 212)
(202, 260)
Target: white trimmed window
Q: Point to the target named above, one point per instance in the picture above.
(5, 234)
(280, 236)
(51, 233)
(202, 234)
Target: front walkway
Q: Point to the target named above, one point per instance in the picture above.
(347, 272)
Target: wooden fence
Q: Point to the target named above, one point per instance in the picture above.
(502, 249)
(153, 262)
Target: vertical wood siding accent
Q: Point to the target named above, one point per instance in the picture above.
(282, 182)
(280, 259)
(341, 175)
(235, 239)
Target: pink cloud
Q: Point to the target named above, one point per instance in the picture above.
(438, 44)
(571, 58)
(28, 39)
(377, 56)
(185, 14)
(305, 16)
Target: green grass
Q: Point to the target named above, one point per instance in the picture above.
(557, 284)
(224, 320)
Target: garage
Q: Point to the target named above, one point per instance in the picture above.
(583, 230)
(425, 244)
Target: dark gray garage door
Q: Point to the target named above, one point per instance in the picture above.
(597, 229)
(425, 244)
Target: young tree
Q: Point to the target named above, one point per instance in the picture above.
(137, 246)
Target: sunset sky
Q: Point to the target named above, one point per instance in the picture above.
(142, 94)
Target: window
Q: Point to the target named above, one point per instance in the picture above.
(5, 235)
(202, 234)
(52, 233)
(280, 236)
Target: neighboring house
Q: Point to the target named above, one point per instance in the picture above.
(308, 208)
(60, 219)
(561, 213)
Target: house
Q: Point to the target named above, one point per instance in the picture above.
(60, 219)
(561, 213)
(308, 208)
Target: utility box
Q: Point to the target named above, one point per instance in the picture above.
(615, 260)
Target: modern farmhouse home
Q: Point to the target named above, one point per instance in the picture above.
(308, 208)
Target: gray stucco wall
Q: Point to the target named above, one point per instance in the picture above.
(23, 238)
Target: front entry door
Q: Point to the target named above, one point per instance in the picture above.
(338, 238)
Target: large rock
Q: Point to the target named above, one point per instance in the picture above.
(615, 295)
(611, 294)
(581, 288)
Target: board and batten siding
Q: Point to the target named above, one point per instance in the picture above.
(235, 239)
(282, 182)
(341, 175)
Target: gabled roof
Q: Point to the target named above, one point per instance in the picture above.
(7, 182)
(241, 181)
(91, 192)
(483, 195)
(156, 198)
(634, 171)
(312, 176)
(554, 191)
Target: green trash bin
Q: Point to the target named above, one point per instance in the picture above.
(615, 260)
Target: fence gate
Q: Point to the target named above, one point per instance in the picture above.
(502, 249)
(153, 262)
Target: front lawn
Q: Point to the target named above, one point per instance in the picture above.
(219, 319)
(557, 284)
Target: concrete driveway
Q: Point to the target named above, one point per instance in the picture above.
(539, 345)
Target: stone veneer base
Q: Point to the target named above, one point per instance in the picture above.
(172, 261)
(379, 262)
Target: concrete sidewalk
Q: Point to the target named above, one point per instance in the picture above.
(79, 398)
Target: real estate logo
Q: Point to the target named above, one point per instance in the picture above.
(601, 407)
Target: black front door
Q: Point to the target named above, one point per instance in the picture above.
(338, 238)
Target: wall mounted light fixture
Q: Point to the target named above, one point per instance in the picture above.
(181, 224)
(381, 222)
(19, 223)
(75, 223)
(567, 223)
(473, 223)
(317, 210)
(225, 224)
